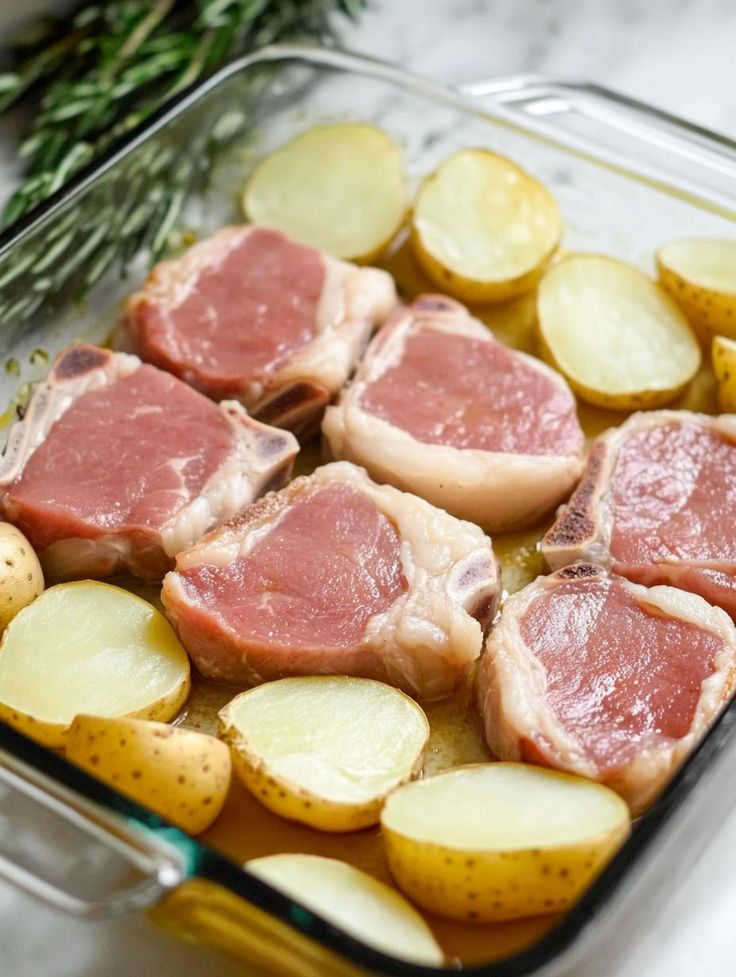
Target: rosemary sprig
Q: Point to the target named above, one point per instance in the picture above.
(119, 61)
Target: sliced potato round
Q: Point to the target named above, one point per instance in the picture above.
(359, 904)
(723, 352)
(616, 335)
(21, 577)
(482, 228)
(340, 188)
(700, 275)
(180, 774)
(496, 841)
(93, 648)
(325, 750)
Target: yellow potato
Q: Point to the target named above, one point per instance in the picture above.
(180, 774)
(21, 577)
(700, 275)
(482, 228)
(325, 750)
(498, 841)
(355, 902)
(340, 188)
(614, 333)
(93, 648)
(723, 352)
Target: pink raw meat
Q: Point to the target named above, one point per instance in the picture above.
(336, 575)
(468, 393)
(251, 315)
(118, 465)
(589, 673)
(440, 408)
(330, 563)
(657, 504)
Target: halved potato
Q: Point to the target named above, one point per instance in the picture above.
(482, 228)
(21, 576)
(616, 335)
(357, 903)
(181, 774)
(723, 352)
(88, 647)
(340, 188)
(700, 275)
(496, 841)
(325, 750)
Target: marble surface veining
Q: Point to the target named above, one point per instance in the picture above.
(678, 54)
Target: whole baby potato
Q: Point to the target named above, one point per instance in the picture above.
(21, 577)
(181, 774)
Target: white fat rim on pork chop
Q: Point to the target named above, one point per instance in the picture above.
(596, 548)
(353, 302)
(428, 637)
(51, 399)
(512, 689)
(497, 490)
(260, 451)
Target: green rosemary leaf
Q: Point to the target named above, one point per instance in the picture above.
(120, 60)
(94, 79)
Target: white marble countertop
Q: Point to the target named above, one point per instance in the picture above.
(678, 54)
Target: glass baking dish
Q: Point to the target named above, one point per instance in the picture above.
(627, 178)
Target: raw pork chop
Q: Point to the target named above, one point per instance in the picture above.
(590, 673)
(118, 466)
(251, 315)
(657, 504)
(336, 575)
(440, 408)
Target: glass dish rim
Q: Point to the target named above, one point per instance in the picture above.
(207, 863)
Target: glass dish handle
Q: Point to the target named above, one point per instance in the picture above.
(629, 135)
(74, 855)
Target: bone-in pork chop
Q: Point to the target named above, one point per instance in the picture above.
(438, 407)
(657, 504)
(336, 575)
(252, 315)
(118, 466)
(590, 673)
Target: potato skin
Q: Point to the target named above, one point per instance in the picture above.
(637, 400)
(42, 621)
(21, 576)
(294, 801)
(475, 292)
(487, 291)
(490, 887)
(642, 398)
(181, 774)
(54, 735)
(724, 366)
(708, 311)
(290, 800)
(476, 882)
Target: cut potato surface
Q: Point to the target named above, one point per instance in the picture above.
(723, 352)
(180, 774)
(619, 339)
(482, 228)
(93, 648)
(497, 841)
(700, 275)
(355, 902)
(21, 576)
(339, 188)
(325, 750)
